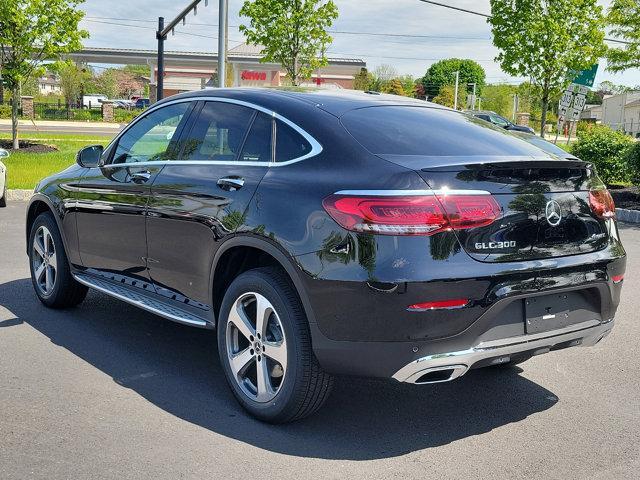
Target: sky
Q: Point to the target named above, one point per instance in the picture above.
(446, 33)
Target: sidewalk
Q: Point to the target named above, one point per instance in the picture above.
(61, 123)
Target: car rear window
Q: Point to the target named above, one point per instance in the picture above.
(408, 130)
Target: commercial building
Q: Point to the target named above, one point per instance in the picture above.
(622, 112)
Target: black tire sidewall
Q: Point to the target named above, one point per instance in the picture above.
(259, 281)
(47, 220)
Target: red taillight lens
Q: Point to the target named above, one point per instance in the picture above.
(457, 303)
(617, 278)
(602, 203)
(411, 215)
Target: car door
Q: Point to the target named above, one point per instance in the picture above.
(198, 201)
(112, 198)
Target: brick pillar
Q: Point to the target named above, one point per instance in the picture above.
(107, 111)
(153, 93)
(27, 107)
(523, 119)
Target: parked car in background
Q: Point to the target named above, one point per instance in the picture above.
(499, 120)
(123, 103)
(545, 145)
(142, 103)
(93, 100)
(3, 178)
(328, 233)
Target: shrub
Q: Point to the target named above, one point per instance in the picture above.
(633, 163)
(607, 150)
(122, 115)
(5, 111)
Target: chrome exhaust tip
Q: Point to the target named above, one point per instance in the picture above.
(442, 374)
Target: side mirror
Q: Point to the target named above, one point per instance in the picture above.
(89, 157)
(3, 153)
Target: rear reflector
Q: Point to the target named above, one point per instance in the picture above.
(617, 278)
(412, 214)
(602, 203)
(457, 303)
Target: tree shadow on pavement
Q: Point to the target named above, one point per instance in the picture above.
(177, 369)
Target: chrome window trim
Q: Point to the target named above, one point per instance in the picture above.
(411, 193)
(316, 148)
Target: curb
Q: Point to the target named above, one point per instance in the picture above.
(628, 216)
(19, 195)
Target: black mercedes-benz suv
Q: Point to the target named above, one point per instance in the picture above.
(333, 233)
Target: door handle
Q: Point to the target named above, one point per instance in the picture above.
(140, 177)
(231, 183)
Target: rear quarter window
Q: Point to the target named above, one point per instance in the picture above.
(427, 131)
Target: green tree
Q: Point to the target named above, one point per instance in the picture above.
(32, 31)
(444, 73)
(624, 22)
(499, 99)
(73, 78)
(395, 87)
(446, 96)
(544, 39)
(291, 32)
(362, 80)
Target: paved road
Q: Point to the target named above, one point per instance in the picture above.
(107, 391)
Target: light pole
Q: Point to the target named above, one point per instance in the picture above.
(455, 96)
(222, 46)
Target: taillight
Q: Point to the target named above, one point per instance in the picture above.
(602, 203)
(420, 214)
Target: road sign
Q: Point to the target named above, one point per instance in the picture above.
(585, 77)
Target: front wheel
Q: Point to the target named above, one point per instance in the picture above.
(50, 272)
(265, 348)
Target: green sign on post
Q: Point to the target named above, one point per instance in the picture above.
(586, 77)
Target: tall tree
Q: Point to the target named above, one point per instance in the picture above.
(291, 32)
(73, 78)
(32, 31)
(624, 22)
(545, 39)
(443, 73)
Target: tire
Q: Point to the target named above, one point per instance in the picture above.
(54, 285)
(293, 389)
(3, 199)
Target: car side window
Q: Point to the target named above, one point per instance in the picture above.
(152, 137)
(289, 143)
(218, 132)
(258, 146)
(499, 121)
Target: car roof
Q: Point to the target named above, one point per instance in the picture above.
(335, 102)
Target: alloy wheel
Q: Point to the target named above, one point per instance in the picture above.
(256, 347)
(45, 263)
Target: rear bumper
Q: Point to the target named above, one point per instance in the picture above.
(448, 366)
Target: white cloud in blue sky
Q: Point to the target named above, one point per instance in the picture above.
(455, 34)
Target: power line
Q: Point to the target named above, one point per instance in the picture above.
(338, 32)
(480, 14)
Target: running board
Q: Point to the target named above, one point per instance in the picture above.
(141, 299)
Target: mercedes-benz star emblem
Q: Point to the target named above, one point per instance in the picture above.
(553, 213)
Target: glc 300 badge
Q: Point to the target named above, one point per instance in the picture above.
(553, 213)
(495, 245)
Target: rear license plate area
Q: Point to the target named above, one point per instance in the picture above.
(552, 312)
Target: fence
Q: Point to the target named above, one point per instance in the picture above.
(59, 111)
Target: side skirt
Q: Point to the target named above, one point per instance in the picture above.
(145, 300)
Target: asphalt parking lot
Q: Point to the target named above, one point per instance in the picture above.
(108, 391)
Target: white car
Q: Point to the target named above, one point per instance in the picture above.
(3, 178)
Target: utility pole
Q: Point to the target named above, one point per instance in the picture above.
(222, 50)
(473, 98)
(160, 75)
(455, 97)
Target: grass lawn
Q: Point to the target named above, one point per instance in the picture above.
(24, 169)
